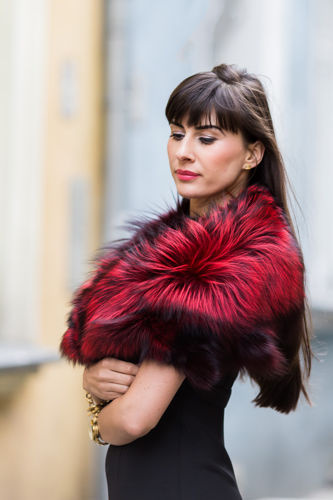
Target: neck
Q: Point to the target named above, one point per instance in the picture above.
(201, 206)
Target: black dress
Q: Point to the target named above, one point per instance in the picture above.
(183, 457)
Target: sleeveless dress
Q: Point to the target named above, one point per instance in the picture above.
(183, 457)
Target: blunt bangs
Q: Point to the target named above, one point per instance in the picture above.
(199, 98)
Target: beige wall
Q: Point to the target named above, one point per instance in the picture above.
(73, 146)
(45, 449)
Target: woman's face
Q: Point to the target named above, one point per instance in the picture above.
(216, 158)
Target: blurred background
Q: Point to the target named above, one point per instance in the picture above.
(83, 87)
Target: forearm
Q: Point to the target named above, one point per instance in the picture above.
(113, 423)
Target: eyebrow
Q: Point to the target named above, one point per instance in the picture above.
(198, 127)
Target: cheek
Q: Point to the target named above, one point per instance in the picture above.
(227, 156)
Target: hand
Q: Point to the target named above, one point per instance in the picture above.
(109, 378)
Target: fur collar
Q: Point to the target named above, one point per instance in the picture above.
(208, 294)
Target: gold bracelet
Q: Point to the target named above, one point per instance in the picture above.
(94, 409)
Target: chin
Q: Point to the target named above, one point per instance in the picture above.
(189, 192)
(192, 194)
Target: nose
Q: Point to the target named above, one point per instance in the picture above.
(185, 150)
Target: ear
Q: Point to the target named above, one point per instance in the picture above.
(255, 152)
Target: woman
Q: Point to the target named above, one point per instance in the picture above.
(206, 291)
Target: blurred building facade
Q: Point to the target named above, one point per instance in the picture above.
(51, 128)
(65, 68)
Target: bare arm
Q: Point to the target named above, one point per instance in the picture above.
(139, 410)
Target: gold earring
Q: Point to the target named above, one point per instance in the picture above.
(247, 167)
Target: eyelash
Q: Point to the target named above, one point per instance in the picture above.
(204, 140)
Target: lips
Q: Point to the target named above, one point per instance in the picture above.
(186, 173)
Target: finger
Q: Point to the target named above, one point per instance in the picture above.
(120, 366)
(104, 390)
(110, 376)
(107, 396)
(119, 378)
(110, 394)
(116, 388)
(113, 395)
(125, 367)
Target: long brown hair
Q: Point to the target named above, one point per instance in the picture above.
(238, 99)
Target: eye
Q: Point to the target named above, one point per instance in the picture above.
(177, 136)
(207, 140)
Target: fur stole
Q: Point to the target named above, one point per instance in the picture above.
(209, 295)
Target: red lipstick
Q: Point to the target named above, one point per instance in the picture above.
(186, 175)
